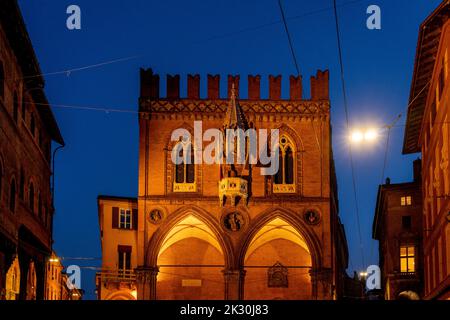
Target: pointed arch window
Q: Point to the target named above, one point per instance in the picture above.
(22, 184)
(284, 179)
(185, 171)
(31, 197)
(12, 196)
(16, 108)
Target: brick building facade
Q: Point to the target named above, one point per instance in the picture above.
(398, 228)
(219, 231)
(27, 129)
(427, 131)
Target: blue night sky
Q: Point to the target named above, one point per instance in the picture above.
(218, 37)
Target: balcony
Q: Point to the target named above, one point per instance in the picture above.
(116, 275)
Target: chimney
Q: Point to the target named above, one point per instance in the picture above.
(319, 86)
(295, 88)
(274, 87)
(173, 86)
(149, 84)
(254, 87)
(213, 86)
(193, 86)
(388, 181)
(417, 168)
(233, 80)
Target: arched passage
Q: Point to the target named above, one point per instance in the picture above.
(13, 280)
(190, 261)
(277, 263)
(122, 295)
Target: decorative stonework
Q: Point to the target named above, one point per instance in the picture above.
(234, 221)
(304, 107)
(156, 216)
(311, 217)
(278, 276)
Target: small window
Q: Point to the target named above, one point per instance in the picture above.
(12, 196)
(125, 219)
(406, 201)
(40, 206)
(124, 261)
(31, 197)
(407, 259)
(2, 80)
(406, 222)
(21, 184)
(16, 108)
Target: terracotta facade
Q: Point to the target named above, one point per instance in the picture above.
(227, 232)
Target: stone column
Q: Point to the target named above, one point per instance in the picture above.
(234, 284)
(146, 278)
(322, 283)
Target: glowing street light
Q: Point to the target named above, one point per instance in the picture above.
(368, 135)
(356, 136)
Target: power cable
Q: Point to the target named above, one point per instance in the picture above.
(344, 92)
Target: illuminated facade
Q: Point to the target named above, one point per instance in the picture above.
(27, 129)
(398, 228)
(226, 231)
(427, 131)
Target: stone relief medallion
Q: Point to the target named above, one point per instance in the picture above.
(311, 217)
(155, 216)
(233, 221)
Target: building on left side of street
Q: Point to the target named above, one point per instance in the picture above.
(57, 285)
(27, 130)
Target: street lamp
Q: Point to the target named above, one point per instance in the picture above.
(366, 135)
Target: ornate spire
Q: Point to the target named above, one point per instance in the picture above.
(235, 117)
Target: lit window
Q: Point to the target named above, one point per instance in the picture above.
(185, 171)
(124, 262)
(406, 201)
(407, 254)
(125, 219)
(284, 179)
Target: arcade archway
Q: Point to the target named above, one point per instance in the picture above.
(190, 262)
(277, 264)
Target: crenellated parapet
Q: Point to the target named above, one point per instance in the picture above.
(150, 87)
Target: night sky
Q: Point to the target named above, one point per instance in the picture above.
(217, 37)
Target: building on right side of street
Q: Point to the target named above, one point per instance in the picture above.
(427, 131)
(398, 228)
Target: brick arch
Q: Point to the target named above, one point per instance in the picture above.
(120, 295)
(157, 239)
(293, 219)
(286, 129)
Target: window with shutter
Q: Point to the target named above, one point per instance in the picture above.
(135, 219)
(115, 218)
